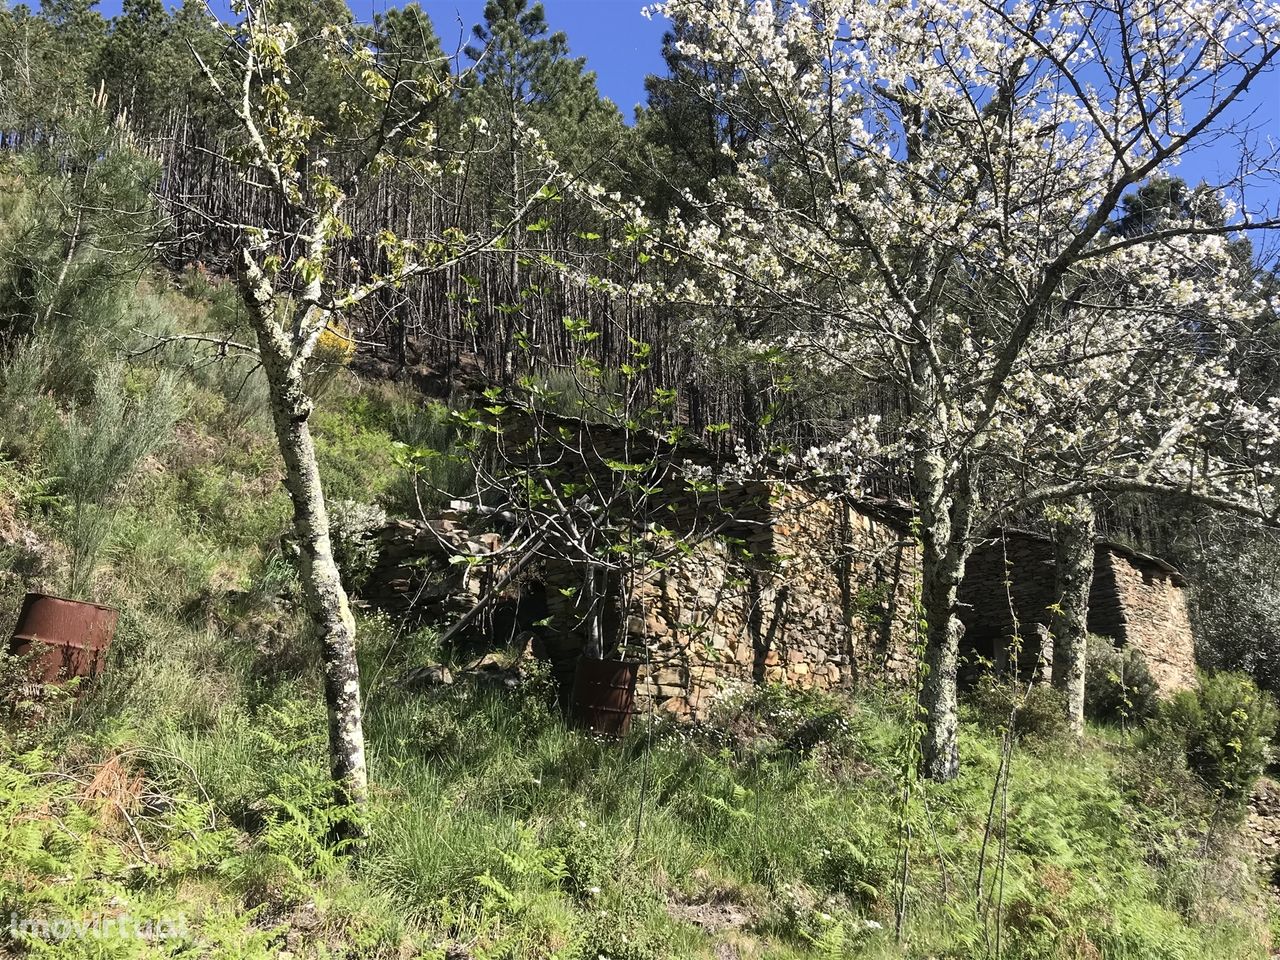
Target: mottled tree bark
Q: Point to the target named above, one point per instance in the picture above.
(944, 532)
(322, 589)
(1073, 561)
(1043, 671)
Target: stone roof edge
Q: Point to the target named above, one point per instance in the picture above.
(1137, 557)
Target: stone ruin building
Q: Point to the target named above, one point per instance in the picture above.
(795, 586)
(1136, 600)
(808, 591)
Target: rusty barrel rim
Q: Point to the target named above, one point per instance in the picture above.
(40, 595)
(70, 637)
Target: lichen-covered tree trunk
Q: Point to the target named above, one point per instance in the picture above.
(322, 589)
(1073, 556)
(944, 531)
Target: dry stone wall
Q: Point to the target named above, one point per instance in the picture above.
(815, 594)
(808, 590)
(1008, 582)
(1156, 620)
(1135, 600)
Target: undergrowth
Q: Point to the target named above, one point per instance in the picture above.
(772, 830)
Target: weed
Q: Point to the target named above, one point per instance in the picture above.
(1118, 684)
(1039, 713)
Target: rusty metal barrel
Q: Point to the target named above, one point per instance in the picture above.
(71, 637)
(604, 694)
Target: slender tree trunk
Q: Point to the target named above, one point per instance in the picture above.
(323, 593)
(73, 244)
(594, 650)
(944, 532)
(1073, 556)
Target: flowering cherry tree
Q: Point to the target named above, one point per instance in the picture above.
(923, 204)
(297, 287)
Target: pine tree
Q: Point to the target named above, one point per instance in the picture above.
(129, 55)
(410, 55)
(523, 74)
(77, 36)
(523, 78)
(49, 62)
(685, 133)
(190, 27)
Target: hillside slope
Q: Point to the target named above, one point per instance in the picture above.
(190, 783)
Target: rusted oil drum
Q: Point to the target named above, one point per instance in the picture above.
(72, 635)
(604, 695)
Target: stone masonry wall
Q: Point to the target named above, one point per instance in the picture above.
(1156, 619)
(808, 591)
(819, 596)
(1135, 600)
(1012, 576)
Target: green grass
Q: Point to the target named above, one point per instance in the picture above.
(775, 832)
(806, 845)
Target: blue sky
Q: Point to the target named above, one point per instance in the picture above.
(622, 47)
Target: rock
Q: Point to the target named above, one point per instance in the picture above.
(434, 675)
(489, 663)
(652, 625)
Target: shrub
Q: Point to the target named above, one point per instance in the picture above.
(1039, 713)
(1118, 685)
(1225, 728)
(776, 719)
(439, 467)
(587, 853)
(116, 850)
(28, 407)
(234, 384)
(355, 457)
(293, 810)
(98, 449)
(635, 929)
(858, 862)
(58, 280)
(333, 354)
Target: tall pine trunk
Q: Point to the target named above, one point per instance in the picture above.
(1073, 556)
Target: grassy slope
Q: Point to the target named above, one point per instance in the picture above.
(193, 778)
